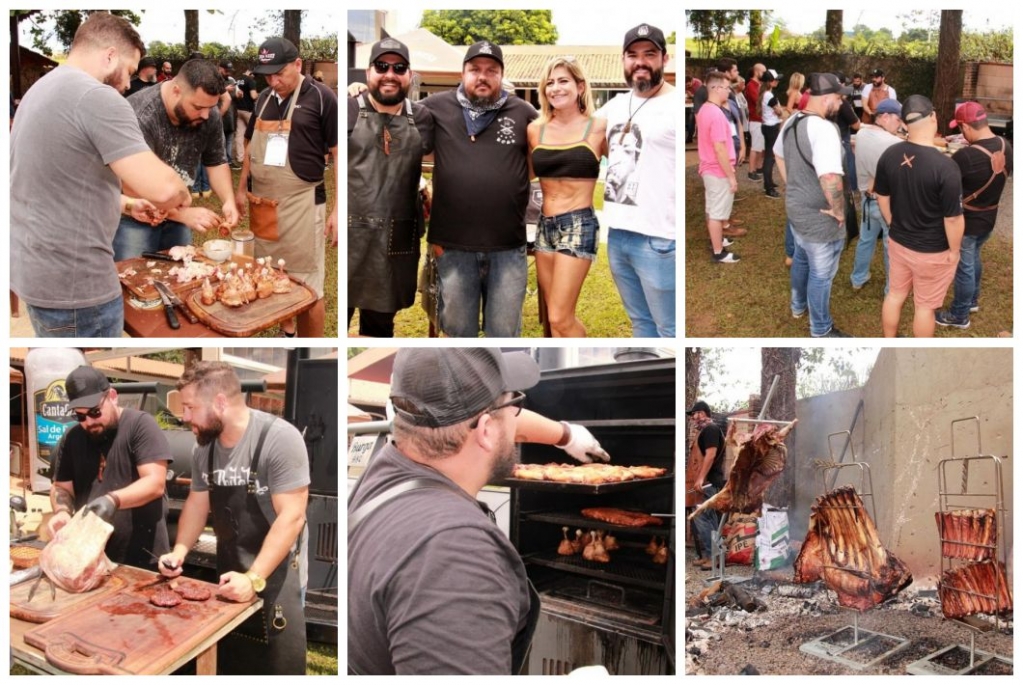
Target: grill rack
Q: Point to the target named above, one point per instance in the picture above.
(625, 567)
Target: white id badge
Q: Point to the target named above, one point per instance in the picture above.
(276, 150)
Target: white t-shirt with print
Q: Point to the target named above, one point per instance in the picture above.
(766, 111)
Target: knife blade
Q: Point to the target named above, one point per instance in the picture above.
(175, 300)
(168, 308)
(159, 255)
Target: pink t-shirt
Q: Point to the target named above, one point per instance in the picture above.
(712, 127)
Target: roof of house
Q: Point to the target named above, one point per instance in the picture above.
(427, 52)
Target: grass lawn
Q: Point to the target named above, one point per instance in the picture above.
(751, 298)
(330, 290)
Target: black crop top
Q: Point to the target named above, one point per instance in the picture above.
(574, 160)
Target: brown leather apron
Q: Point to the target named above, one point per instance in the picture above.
(282, 206)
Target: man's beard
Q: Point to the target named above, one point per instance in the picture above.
(481, 102)
(204, 435)
(114, 81)
(388, 100)
(504, 460)
(104, 434)
(656, 76)
(183, 119)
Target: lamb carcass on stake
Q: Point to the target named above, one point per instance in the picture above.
(761, 460)
(842, 548)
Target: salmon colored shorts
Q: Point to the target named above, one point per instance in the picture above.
(927, 274)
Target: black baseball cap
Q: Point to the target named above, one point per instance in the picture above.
(645, 32)
(273, 54)
(85, 387)
(700, 405)
(389, 45)
(876, 73)
(823, 83)
(915, 108)
(484, 48)
(147, 62)
(226, 64)
(443, 386)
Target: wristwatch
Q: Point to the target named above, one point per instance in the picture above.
(258, 582)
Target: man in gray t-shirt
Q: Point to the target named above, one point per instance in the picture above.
(182, 125)
(74, 142)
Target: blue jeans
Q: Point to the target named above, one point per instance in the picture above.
(707, 521)
(133, 238)
(790, 241)
(849, 161)
(202, 180)
(495, 280)
(644, 271)
(871, 224)
(967, 282)
(229, 146)
(100, 321)
(814, 266)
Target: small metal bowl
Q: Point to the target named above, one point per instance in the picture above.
(217, 250)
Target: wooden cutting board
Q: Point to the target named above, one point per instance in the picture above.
(138, 284)
(42, 608)
(255, 316)
(125, 634)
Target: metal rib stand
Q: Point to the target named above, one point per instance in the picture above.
(949, 500)
(829, 647)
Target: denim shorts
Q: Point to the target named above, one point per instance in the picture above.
(573, 233)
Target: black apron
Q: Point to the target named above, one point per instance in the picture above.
(384, 216)
(271, 641)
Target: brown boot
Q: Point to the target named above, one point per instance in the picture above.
(704, 564)
(733, 232)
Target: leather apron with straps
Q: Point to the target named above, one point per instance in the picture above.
(524, 638)
(282, 206)
(384, 217)
(272, 641)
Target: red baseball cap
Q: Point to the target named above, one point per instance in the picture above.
(968, 113)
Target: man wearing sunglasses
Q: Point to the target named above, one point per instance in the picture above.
(434, 586)
(387, 138)
(114, 463)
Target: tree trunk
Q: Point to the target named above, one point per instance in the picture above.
(693, 356)
(293, 27)
(756, 30)
(947, 81)
(191, 31)
(833, 28)
(781, 362)
(192, 356)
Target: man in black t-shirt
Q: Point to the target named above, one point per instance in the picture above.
(919, 192)
(710, 444)
(114, 464)
(985, 165)
(245, 94)
(145, 77)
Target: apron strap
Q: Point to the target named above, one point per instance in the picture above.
(360, 514)
(255, 458)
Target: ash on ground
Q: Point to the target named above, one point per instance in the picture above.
(725, 639)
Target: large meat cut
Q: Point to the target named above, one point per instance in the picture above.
(843, 549)
(74, 560)
(975, 588)
(621, 517)
(761, 459)
(967, 533)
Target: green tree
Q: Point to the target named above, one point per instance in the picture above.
(833, 28)
(61, 24)
(713, 26)
(756, 28)
(191, 31)
(947, 85)
(916, 35)
(781, 362)
(505, 27)
(670, 40)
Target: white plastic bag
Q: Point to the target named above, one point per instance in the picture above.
(772, 543)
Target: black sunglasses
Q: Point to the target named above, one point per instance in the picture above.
(93, 413)
(516, 401)
(381, 67)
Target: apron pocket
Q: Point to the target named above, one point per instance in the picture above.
(403, 237)
(263, 217)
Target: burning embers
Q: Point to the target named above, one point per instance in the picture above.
(761, 459)
(843, 549)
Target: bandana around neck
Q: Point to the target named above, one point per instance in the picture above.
(477, 118)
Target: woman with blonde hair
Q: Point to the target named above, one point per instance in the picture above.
(565, 144)
(795, 91)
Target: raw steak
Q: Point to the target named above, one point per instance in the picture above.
(976, 588)
(843, 549)
(193, 592)
(74, 560)
(165, 598)
(761, 459)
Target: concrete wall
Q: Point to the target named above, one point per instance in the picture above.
(909, 402)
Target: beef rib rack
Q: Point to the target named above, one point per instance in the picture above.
(761, 460)
(979, 587)
(843, 549)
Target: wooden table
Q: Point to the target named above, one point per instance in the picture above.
(152, 323)
(205, 652)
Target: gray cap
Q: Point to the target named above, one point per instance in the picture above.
(444, 386)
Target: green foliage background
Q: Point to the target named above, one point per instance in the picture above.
(505, 27)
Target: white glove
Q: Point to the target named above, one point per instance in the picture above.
(583, 447)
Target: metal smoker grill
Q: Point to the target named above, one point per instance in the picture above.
(823, 647)
(948, 501)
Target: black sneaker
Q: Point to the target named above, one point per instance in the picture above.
(945, 318)
(754, 176)
(834, 333)
(726, 257)
(772, 193)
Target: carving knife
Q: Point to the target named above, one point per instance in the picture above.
(168, 307)
(165, 289)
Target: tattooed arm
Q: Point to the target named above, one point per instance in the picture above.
(831, 184)
(62, 499)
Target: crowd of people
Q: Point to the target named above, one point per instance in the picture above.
(487, 145)
(837, 143)
(113, 176)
